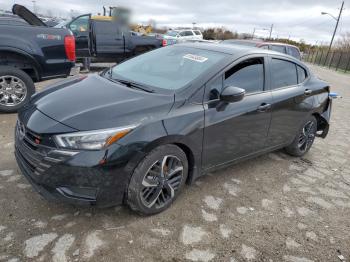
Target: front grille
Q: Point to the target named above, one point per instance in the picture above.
(31, 155)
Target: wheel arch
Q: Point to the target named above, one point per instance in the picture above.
(20, 59)
(193, 156)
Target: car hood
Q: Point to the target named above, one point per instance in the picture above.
(28, 16)
(95, 102)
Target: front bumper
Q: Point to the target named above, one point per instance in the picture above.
(73, 177)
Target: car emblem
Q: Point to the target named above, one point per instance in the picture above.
(22, 131)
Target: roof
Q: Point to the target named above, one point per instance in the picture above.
(277, 43)
(223, 48)
(257, 42)
(234, 50)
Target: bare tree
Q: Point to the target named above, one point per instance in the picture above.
(343, 43)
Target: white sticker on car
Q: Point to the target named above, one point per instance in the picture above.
(196, 58)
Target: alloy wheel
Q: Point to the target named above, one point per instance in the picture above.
(307, 136)
(13, 91)
(161, 182)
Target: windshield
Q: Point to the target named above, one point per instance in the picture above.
(169, 68)
(172, 33)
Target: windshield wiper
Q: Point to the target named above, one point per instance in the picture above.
(132, 84)
(128, 83)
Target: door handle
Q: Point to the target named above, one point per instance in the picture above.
(264, 107)
(308, 92)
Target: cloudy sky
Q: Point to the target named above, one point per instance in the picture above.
(297, 19)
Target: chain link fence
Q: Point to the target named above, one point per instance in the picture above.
(337, 60)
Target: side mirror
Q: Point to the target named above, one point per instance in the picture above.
(232, 94)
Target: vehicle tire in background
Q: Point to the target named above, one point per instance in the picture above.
(304, 139)
(16, 88)
(157, 180)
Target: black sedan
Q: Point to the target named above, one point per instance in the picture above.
(137, 132)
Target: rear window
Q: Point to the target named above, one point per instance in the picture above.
(284, 73)
(186, 33)
(294, 52)
(278, 48)
(197, 32)
(172, 33)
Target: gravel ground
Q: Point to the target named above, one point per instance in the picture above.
(271, 208)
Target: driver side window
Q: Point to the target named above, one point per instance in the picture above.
(248, 75)
(81, 24)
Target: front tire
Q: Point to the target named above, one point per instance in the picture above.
(16, 88)
(158, 180)
(304, 139)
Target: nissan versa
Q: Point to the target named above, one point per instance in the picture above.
(137, 132)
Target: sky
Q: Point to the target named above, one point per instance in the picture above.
(294, 19)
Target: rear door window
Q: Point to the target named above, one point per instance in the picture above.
(302, 75)
(197, 32)
(278, 48)
(248, 75)
(284, 73)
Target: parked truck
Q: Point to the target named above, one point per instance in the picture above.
(106, 39)
(30, 53)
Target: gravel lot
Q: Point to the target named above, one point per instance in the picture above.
(272, 208)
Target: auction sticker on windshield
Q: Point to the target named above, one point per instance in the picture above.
(196, 58)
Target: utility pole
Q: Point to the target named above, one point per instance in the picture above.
(193, 25)
(271, 31)
(335, 30)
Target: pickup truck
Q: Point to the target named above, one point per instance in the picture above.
(106, 40)
(30, 53)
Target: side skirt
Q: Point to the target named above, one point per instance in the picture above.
(241, 159)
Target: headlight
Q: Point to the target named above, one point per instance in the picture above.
(92, 140)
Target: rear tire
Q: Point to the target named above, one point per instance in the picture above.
(304, 139)
(157, 180)
(16, 88)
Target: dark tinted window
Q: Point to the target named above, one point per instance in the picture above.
(294, 52)
(197, 32)
(301, 74)
(284, 73)
(278, 48)
(264, 47)
(248, 75)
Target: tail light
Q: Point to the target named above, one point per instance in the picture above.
(69, 45)
(164, 42)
